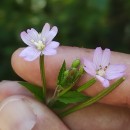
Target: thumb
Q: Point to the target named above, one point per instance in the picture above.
(24, 113)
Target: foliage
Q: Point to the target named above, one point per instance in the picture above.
(86, 23)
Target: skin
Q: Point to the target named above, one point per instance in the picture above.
(113, 110)
(120, 96)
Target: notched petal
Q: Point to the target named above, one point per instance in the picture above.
(104, 81)
(106, 58)
(33, 34)
(97, 57)
(116, 68)
(89, 67)
(49, 52)
(30, 53)
(45, 30)
(115, 71)
(53, 45)
(26, 39)
(51, 34)
(114, 75)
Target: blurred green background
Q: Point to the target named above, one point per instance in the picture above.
(84, 23)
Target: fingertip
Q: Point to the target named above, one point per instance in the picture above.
(14, 56)
(25, 69)
(15, 60)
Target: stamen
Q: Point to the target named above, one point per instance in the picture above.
(32, 40)
(39, 35)
(40, 46)
(105, 68)
(100, 67)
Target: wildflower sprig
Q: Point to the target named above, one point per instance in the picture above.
(67, 98)
(67, 78)
(40, 44)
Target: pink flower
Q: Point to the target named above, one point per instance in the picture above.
(101, 67)
(39, 43)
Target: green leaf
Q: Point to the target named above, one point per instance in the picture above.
(72, 97)
(61, 73)
(58, 105)
(94, 99)
(36, 90)
(75, 63)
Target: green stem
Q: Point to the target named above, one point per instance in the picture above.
(68, 88)
(86, 85)
(43, 78)
(93, 99)
(65, 90)
(53, 100)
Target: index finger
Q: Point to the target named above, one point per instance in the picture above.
(30, 72)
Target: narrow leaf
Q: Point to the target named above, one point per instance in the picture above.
(94, 99)
(61, 73)
(36, 90)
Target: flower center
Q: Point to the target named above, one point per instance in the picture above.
(101, 72)
(39, 45)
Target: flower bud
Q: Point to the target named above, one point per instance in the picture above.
(81, 70)
(75, 63)
(66, 73)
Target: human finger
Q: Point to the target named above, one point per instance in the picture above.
(99, 117)
(30, 72)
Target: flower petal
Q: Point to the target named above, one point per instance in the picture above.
(51, 34)
(106, 58)
(49, 51)
(89, 67)
(104, 81)
(45, 30)
(33, 34)
(30, 53)
(116, 68)
(53, 45)
(115, 71)
(97, 57)
(26, 38)
(114, 76)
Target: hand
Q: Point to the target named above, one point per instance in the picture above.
(31, 73)
(97, 116)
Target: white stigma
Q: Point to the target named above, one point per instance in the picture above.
(39, 44)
